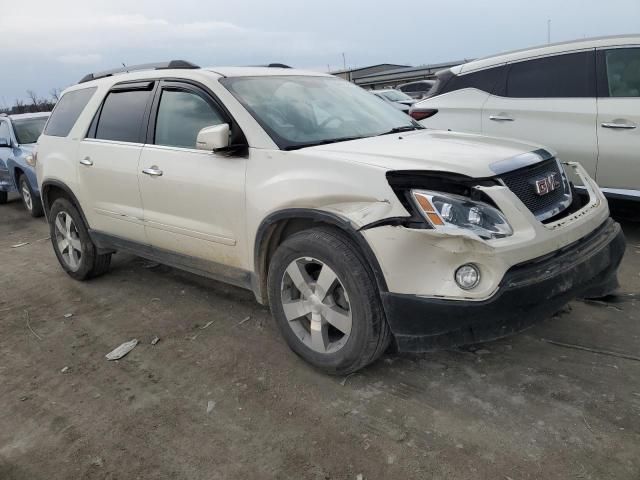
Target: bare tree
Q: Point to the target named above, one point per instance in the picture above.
(55, 94)
(33, 96)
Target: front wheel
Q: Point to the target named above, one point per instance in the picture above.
(326, 303)
(31, 201)
(72, 244)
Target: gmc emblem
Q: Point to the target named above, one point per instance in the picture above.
(547, 184)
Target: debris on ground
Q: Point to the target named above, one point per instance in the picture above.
(210, 406)
(65, 370)
(97, 462)
(26, 314)
(155, 340)
(359, 477)
(244, 320)
(68, 315)
(592, 350)
(18, 245)
(150, 265)
(122, 350)
(482, 351)
(207, 325)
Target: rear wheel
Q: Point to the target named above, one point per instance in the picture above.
(72, 244)
(3, 198)
(31, 201)
(326, 302)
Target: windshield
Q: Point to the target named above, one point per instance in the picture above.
(303, 111)
(395, 96)
(28, 130)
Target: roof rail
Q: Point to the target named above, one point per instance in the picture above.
(272, 65)
(145, 66)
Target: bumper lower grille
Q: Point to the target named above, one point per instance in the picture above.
(542, 187)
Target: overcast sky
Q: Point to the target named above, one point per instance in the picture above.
(52, 43)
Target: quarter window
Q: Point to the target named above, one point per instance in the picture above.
(67, 111)
(122, 115)
(181, 115)
(485, 80)
(567, 76)
(623, 72)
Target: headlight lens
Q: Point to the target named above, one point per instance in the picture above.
(447, 210)
(30, 159)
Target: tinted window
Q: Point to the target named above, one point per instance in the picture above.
(181, 115)
(122, 115)
(623, 72)
(569, 75)
(484, 80)
(67, 111)
(4, 132)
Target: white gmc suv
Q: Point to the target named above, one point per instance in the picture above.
(358, 227)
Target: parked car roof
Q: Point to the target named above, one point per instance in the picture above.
(543, 50)
(18, 116)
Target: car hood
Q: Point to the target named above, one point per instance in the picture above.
(468, 154)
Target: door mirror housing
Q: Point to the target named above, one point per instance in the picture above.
(213, 138)
(5, 143)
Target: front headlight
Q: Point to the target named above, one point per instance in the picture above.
(448, 210)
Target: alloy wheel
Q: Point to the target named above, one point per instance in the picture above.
(68, 240)
(316, 305)
(26, 196)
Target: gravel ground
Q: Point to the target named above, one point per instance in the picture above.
(220, 396)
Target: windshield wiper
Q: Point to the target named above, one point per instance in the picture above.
(405, 128)
(323, 142)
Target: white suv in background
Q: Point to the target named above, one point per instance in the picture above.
(580, 98)
(356, 225)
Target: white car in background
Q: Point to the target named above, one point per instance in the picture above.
(580, 98)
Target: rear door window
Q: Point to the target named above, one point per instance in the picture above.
(67, 111)
(623, 72)
(561, 76)
(123, 115)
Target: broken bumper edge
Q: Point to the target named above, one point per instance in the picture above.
(528, 293)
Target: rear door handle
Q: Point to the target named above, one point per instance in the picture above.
(501, 118)
(624, 126)
(153, 171)
(86, 161)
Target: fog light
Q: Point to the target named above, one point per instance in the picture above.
(468, 276)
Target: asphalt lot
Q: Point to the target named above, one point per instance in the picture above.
(228, 400)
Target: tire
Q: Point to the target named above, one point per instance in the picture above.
(3, 197)
(302, 313)
(31, 202)
(82, 262)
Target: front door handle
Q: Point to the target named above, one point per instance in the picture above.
(501, 118)
(153, 171)
(624, 126)
(86, 161)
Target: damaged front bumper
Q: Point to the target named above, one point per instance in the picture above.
(529, 292)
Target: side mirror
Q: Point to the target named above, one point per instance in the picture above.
(213, 138)
(5, 143)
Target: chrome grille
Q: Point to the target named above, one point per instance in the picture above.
(522, 183)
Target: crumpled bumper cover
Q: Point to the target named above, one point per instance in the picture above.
(528, 293)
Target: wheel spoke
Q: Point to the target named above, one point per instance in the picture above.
(68, 224)
(76, 244)
(295, 309)
(60, 226)
(326, 280)
(319, 333)
(63, 244)
(300, 278)
(338, 317)
(73, 258)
